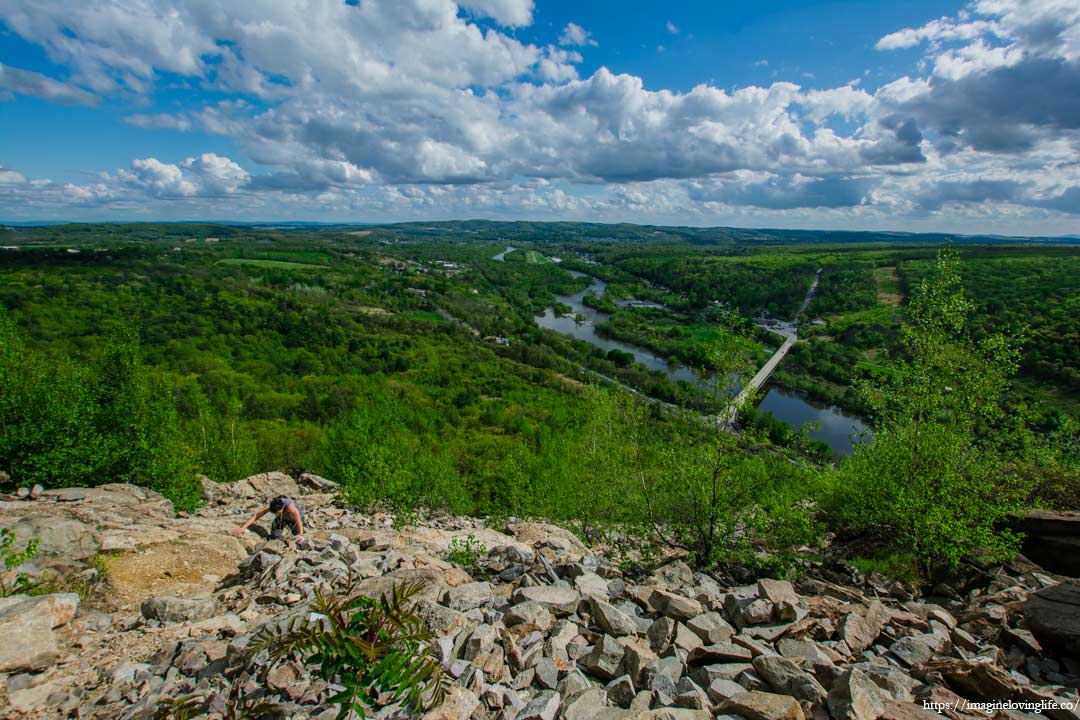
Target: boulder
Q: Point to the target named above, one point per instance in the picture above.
(854, 696)
(584, 705)
(1052, 539)
(861, 627)
(1053, 617)
(612, 620)
(171, 609)
(560, 600)
(26, 625)
(545, 706)
(530, 613)
(915, 650)
(317, 483)
(675, 606)
(711, 628)
(605, 659)
(469, 596)
(58, 537)
(718, 653)
(755, 705)
(460, 704)
(785, 677)
(975, 679)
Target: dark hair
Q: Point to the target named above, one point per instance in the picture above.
(276, 504)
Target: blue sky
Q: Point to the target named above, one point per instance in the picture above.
(859, 115)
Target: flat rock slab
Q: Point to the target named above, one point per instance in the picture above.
(1053, 616)
(755, 705)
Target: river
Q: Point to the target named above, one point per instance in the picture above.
(835, 426)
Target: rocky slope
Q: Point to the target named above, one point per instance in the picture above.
(544, 630)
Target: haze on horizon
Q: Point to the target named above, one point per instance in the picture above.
(930, 116)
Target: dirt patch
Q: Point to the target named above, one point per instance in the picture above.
(185, 567)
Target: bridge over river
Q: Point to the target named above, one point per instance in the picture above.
(791, 333)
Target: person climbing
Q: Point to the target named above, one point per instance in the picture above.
(287, 514)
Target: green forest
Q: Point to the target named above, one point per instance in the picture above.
(405, 362)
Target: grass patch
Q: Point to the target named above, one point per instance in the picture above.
(888, 286)
(899, 566)
(535, 257)
(299, 256)
(270, 264)
(429, 315)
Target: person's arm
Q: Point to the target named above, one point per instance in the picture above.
(298, 521)
(250, 521)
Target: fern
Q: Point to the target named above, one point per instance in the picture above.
(375, 648)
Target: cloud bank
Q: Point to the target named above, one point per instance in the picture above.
(385, 109)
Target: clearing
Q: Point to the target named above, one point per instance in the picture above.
(888, 286)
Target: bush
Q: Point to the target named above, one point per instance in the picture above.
(465, 552)
(11, 559)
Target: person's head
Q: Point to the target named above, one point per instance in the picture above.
(277, 504)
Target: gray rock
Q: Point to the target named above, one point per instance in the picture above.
(861, 628)
(1053, 617)
(559, 600)
(756, 705)
(529, 613)
(710, 627)
(661, 634)
(720, 690)
(620, 691)
(675, 606)
(547, 673)
(612, 620)
(170, 609)
(718, 653)
(915, 650)
(786, 678)
(605, 659)
(469, 596)
(26, 625)
(855, 696)
(690, 695)
(545, 706)
(584, 705)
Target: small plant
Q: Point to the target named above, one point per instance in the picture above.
(186, 707)
(375, 648)
(11, 559)
(465, 551)
(405, 519)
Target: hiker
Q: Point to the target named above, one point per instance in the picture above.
(287, 514)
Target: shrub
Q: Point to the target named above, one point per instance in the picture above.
(10, 558)
(374, 648)
(465, 552)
